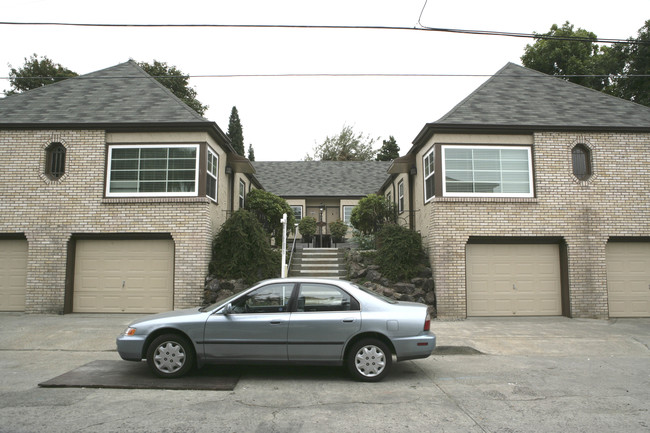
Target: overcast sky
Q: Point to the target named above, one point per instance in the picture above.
(285, 117)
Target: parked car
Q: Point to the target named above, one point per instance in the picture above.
(291, 320)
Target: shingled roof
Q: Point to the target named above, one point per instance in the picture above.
(322, 178)
(122, 94)
(518, 98)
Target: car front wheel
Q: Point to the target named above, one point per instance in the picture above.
(369, 360)
(170, 356)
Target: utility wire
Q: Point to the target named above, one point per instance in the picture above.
(323, 27)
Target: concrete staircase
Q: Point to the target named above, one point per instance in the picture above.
(318, 263)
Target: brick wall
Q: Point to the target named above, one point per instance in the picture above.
(614, 202)
(49, 213)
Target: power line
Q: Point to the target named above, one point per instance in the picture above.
(330, 27)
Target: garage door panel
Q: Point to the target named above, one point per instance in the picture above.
(134, 276)
(13, 274)
(628, 279)
(513, 279)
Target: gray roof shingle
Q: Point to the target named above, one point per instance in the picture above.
(322, 178)
(122, 94)
(520, 97)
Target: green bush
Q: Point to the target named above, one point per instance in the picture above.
(364, 242)
(307, 227)
(242, 249)
(269, 209)
(399, 252)
(372, 213)
(338, 229)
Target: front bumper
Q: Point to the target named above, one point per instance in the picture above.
(130, 347)
(417, 347)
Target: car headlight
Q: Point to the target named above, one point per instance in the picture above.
(129, 331)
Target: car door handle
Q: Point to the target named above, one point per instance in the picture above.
(275, 322)
(348, 320)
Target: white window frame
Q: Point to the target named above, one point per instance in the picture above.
(347, 220)
(529, 194)
(215, 176)
(294, 208)
(425, 166)
(153, 194)
(400, 196)
(242, 194)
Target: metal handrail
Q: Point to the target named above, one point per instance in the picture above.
(293, 247)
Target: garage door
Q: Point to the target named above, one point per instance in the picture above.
(13, 274)
(509, 279)
(628, 279)
(123, 276)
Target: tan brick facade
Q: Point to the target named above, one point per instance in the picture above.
(582, 215)
(52, 214)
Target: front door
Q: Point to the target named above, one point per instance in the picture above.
(256, 329)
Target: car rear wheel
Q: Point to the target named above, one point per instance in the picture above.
(369, 360)
(170, 356)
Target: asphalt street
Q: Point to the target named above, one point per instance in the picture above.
(534, 375)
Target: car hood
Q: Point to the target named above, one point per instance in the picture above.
(167, 315)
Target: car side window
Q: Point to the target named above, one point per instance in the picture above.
(324, 297)
(273, 298)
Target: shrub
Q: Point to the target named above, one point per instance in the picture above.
(269, 209)
(372, 213)
(338, 229)
(241, 250)
(307, 227)
(399, 252)
(364, 242)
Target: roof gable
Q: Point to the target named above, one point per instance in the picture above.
(122, 94)
(322, 178)
(520, 97)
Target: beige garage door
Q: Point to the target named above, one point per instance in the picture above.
(123, 276)
(13, 274)
(509, 279)
(628, 279)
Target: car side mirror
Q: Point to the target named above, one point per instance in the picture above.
(227, 309)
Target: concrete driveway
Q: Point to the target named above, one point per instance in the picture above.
(536, 375)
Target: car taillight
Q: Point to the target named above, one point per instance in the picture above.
(427, 322)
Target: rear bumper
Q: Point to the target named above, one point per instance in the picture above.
(417, 347)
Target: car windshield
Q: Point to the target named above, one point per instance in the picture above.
(221, 302)
(376, 295)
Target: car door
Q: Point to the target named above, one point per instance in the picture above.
(325, 318)
(254, 330)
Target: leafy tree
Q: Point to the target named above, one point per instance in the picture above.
(372, 213)
(614, 64)
(242, 249)
(36, 73)
(269, 209)
(307, 227)
(338, 229)
(389, 150)
(633, 59)
(236, 132)
(399, 252)
(345, 146)
(176, 81)
(561, 56)
(251, 153)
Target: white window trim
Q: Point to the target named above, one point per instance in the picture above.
(425, 177)
(242, 194)
(479, 194)
(344, 207)
(216, 178)
(400, 196)
(293, 208)
(152, 194)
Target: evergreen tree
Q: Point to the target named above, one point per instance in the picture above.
(235, 132)
(389, 150)
(251, 153)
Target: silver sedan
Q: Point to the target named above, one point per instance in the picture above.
(291, 320)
